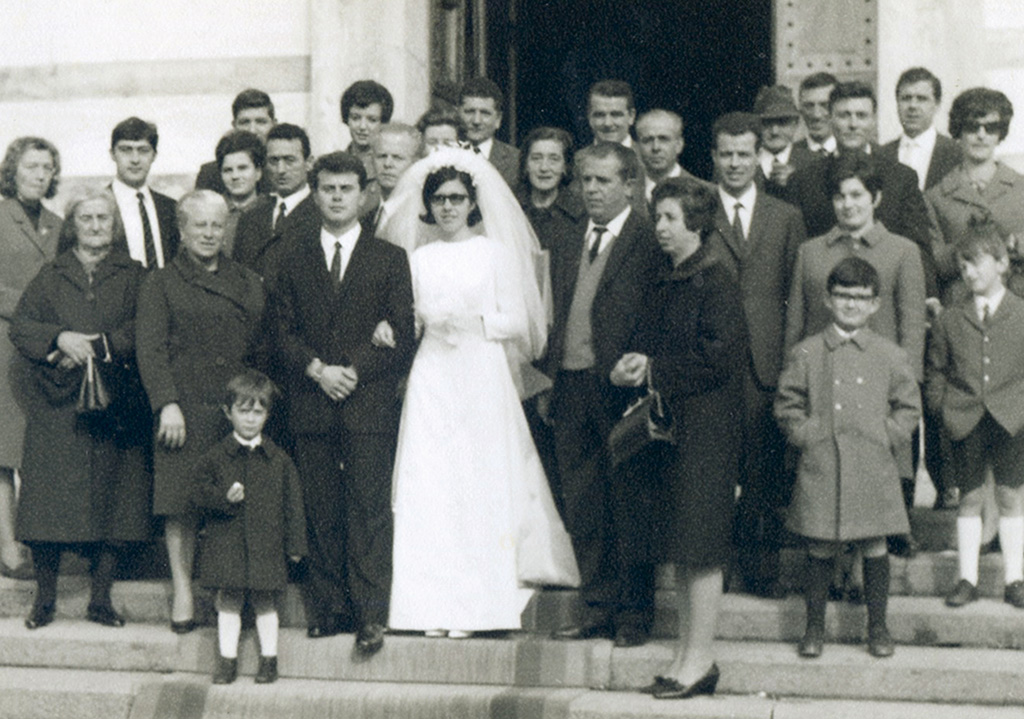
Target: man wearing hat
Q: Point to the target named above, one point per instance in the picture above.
(778, 157)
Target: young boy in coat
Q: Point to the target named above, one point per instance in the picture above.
(848, 400)
(248, 494)
(975, 378)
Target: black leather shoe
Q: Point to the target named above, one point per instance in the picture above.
(630, 637)
(370, 639)
(40, 616)
(1013, 594)
(584, 631)
(963, 593)
(226, 672)
(812, 644)
(656, 685)
(328, 628)
(880, 643)
(902, 545)
(267, 673)
(104, 614)
(183, 627)
(704, 686)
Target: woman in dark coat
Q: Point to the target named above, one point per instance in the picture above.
(546, 194)
(199, 322)
(693, 341)
(85, 483)
(29, 173)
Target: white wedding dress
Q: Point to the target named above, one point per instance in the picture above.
(474, 518)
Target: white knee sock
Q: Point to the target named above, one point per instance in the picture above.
(968, 538)
(229, 627)
(266, 630)
(1011, 539)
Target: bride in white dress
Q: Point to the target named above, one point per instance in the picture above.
(475, 524)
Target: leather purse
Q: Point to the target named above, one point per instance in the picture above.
(646, 422)
(92, 395)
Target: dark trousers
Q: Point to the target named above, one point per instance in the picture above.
(610, 589)
(346, 481)
(767, 484)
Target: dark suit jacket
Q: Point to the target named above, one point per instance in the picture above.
(959, 347)
(902, 210)
(946, 155)
(763, 266)
(799, 157)
(209, 179)
(259, 248)
(314, 320)
(167, 218)
(505, 159)
(633, 264)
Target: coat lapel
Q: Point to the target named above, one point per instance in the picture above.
(619, 250)
(228, 281)
(40, 240)
(355, 262)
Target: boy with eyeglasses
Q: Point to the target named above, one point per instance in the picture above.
(975, 378)
(848, 401)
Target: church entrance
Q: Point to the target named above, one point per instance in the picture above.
(694, 57)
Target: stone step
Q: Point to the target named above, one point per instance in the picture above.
(71, 694)
(919, 620)
(916, 674)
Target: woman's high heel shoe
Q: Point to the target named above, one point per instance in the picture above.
(706, 685)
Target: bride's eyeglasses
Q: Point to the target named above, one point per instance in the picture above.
(455, 199)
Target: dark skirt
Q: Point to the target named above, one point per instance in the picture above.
(205, 426)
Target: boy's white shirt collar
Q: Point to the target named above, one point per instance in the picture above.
(991, 302)
(843, 333)
(250, 443)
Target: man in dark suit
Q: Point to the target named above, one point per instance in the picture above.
(812, 96)
(902, 210)
(757, 237)
(336, 284)
(660, 142)
(395, 148)
(149, 219)
(611, 111)
(598, 283)
(921, 147)
(253, 111)
(264, 231)
(481, 104)
(778, 156)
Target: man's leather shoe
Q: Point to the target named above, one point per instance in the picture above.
(40, 616)
(630, 637)
(370, 639)
(812, 644)
(584, 631)
(1013, 594)
(104, 614)
(963, 593)
(880, 643)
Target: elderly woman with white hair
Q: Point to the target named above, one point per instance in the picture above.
(85, 485)
(200, 320)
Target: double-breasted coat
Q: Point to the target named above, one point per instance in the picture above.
(196, 330)
(694, 332)
(246, 545)
(850, 408)
(23, 251)
(84, 477)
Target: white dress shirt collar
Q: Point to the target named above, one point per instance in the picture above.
(992, 303)
(348, 241)
(829, 145)
(767, 158)
(250, 443)
(748, 199)
(614, 229)
(485, 147)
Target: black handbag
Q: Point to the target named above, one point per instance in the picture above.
(646, 422)
(92, 395)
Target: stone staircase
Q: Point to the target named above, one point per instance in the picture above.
(950, 663)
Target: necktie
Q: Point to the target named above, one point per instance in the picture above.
(985, 315)
(147, 234)
(336, 266)
(280, 216)
(595, 244)
(737, 224)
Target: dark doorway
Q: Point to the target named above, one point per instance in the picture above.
(695, 57)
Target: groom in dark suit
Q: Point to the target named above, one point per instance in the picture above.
(333, 288)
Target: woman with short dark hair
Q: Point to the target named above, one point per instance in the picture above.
(29, 173)
(692, 344)
(240, 159)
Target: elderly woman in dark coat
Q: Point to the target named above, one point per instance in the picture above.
(85, 484)
(28, 239)
(199, 323)
(693, 341)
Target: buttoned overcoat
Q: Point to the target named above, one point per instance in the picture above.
(849, 407)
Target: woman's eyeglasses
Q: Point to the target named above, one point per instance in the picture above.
(455, 199)
(991, 128)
